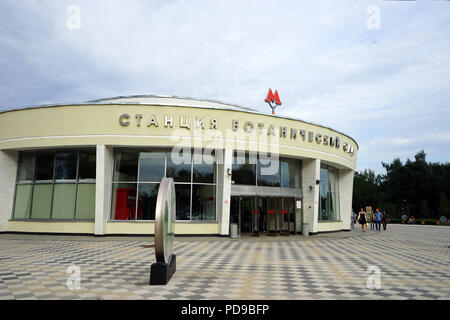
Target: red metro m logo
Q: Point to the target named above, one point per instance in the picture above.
(273, 100)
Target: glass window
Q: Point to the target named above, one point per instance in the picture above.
(204, 172)
(148, 192)
(22, 203)
(329, 194)
(179, 167)
(51, 195)
(87, 166)
(42, 201)
(269, 172)
(66, 166)
(244, 169)
(183, 195)
(44, 166)
(85, 207)
(124, 201)
(290, 173)
(63, 201)
(26, 167)
(151, 166)
(203, 202)
(126, 166)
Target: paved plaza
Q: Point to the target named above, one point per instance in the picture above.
(414, 263)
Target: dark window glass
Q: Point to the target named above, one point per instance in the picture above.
(179, 166)
(148, 193)
(66, 166)
(87, 166)
(126, 166)
(329, 194)
(44, 165)
(290, 173)
(124, 201)
(203, 202)
(285, 180)
(204, 171)
(269, 172)
(244, 170)
(183, 195)
(151, 166)
(324, 182)
(26, 166)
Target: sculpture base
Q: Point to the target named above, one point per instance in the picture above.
(160, 272)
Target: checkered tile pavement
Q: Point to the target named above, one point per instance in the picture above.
(414, 263)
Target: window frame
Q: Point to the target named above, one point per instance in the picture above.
(166, 151)
(53, 182)
(332, 194)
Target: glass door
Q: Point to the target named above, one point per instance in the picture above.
(287, 216)
(273, 212)
(262, 212)
(246, 215)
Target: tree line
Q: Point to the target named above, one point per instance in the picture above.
(416, 188)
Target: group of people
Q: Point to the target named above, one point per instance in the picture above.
(374, 218)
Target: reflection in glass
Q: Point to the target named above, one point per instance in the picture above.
(269, 172)
(244, 170)
(183, 195)
(179, 167)
(126, 166)
(85, 207)
(329, 194)
(42, 201)
(87, 166)
(66, 166)
(23, 201)
(290, 173)
(26, 167)
(148, 192)
(44, 166)
(204, 173)
(151, 166)
(124, 201)
(63, 201)
(203, 202)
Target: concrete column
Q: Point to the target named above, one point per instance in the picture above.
(8, 173)
(103, 187)
(345, 196)
(224, 160)
(310, 173)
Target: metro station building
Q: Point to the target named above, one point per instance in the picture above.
(95, 167)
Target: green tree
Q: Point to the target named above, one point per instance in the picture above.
(417, 188)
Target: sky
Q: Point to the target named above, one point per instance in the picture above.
(378, 71)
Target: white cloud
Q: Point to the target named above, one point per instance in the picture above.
(383, 87)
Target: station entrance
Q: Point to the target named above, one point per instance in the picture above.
(256, 215)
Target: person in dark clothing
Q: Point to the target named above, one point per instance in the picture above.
(384, 220)
(261, 220)
(362, 218)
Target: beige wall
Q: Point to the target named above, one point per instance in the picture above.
(99, 124)
(8, 171)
